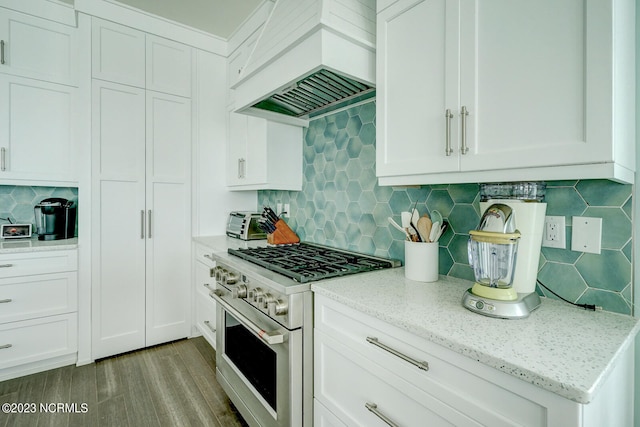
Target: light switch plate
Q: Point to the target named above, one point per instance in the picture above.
(586, 234)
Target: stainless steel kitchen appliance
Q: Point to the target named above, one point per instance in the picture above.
(244, 226)
(264, 336)
(504, 251)
(55, 219)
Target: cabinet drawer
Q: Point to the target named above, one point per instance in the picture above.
(38, 339)
(28, 297)
(30, 263)
(453, 378)
(347, 382)
(203, 255)
(322, 417)
(206, 317)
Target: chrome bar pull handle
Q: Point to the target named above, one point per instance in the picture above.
(2, 52)
(6, 300)
(3, 159)
(142, 224)
(149, 233)
(241, 168)
(448, 116)
(2, 347)
(6, 265)
(420, 365)
(373, 408)
(463, 119)
(208, 325)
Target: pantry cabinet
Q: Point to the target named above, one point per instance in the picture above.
(38, 96)
(485, 91)
(367, 371)
(142, 216)
(38, 311)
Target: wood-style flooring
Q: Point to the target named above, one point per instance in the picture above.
(169, 385)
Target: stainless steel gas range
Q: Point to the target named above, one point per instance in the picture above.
(264, 338)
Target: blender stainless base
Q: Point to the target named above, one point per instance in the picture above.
(516, 309)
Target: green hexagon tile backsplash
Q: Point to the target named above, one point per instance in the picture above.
(341, 205)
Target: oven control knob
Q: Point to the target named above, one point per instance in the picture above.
(240, 291)
(219, 273)
(229, 278)
(266, 299)
(277, 308)
(254, 294)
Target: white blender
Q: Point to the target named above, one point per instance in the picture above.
(505, 250)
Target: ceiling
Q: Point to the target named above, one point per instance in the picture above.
(218, 17)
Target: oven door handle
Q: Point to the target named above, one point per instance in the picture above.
(270, 338)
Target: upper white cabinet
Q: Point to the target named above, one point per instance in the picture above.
(38, 96)
(118, 53)
(128, 56)
(37, 48)
(36, 130)
(263, 154)
(473, 91)
(168, 66)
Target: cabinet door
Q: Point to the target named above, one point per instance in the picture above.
(417, 69)
(37, 48)
(36, 130)
(532, 76)
(168, 66)
(117, 53)
(119, 215)
(237, 141)
(168, 299)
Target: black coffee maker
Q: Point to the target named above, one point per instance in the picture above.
(55, 219)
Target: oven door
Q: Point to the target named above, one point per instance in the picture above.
(258, 363)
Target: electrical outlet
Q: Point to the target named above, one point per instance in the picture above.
(554, 233)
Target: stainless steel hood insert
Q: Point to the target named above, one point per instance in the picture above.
(320, 92)
(311, 57)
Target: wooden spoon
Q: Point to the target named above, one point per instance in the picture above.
(424, 227)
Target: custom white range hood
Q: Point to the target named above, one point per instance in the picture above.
(312, 57)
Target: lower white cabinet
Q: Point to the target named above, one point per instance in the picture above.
(38, 311)
(368, 372)
(205, 306)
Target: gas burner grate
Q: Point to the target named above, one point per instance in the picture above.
(307, 262)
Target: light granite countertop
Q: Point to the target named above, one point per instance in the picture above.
(34, 245)
(566, 350)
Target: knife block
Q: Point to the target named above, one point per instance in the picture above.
(283, 235)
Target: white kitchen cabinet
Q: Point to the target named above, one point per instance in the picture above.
(38, 95)
(37, 139)
(124, 55)
(37, 48)
(38, 311)
(263, 154)
(141, 183)
(168, 66)
(205, 306)
(118, 53)
(540, 83)
(361, 361)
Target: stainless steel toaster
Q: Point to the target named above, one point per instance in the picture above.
(244, 226)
